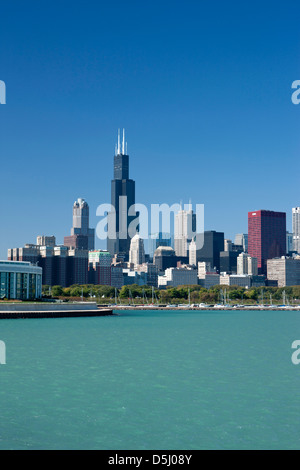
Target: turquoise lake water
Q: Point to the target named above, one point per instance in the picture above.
(151, 380)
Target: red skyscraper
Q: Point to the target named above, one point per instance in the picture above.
(266, 236)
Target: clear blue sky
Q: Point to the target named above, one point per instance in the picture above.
(203, 89)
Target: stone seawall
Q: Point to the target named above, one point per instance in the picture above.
(55, 310)
(41, 307)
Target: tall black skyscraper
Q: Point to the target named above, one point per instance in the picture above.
(211, 249)
(122, 200)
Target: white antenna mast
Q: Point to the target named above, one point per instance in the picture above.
(119, 143)
(123, 143)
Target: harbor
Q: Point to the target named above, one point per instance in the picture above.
(208, 308)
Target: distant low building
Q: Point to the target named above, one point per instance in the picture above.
(100, 267)
(133, 277)
(44, 240)
(20, 280)
(61, 265)
(209, 280)
(258, 281)
(235, 280)
(117, 278)
(151, 271)
(207, 277)
(178, 277)
(286, 271)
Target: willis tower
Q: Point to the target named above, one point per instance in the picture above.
(123, 212)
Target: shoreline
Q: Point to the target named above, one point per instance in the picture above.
(15, 311)
(217, 308)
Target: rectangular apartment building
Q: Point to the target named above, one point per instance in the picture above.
(286, 271)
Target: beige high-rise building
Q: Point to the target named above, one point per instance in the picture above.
(296, 229)
(204, 268)
(193, 253)
(43, 240)
(227, 245)
(137, 251)
(252, 266)
(286, 271)
(246, 264)
(185, 228)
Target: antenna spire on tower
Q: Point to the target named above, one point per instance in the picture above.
(123, 143)
(119, 142)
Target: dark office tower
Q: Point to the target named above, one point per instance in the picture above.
(60, 266)
(122, 199)
(82, 236)
(228, 261)
(164, 258)
(213, 244)
(266, 236)
(46, 261)
(77, 267)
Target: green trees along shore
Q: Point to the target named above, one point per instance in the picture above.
(181, 294)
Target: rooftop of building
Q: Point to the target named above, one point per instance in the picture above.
(166, 249)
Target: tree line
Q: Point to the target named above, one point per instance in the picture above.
(181, 294)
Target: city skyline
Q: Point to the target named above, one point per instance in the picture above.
(204, 113)
(77, 219)
(100, 244)
(120, 166)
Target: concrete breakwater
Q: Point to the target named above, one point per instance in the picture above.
(52, 310)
